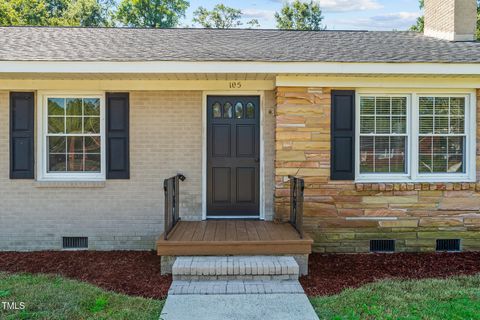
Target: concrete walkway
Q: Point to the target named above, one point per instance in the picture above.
(236, 288)
(238, 307)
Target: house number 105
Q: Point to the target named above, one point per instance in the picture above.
(235, 85)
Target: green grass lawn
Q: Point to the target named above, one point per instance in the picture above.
(454, 298)
(53, 297)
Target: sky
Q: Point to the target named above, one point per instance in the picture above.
(338, 14)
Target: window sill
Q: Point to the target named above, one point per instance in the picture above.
(420, 181)
(70, 184)
(416, 186)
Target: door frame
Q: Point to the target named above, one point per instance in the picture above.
(205, 94)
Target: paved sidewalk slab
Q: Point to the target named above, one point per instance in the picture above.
(238, 307)
(235, 287)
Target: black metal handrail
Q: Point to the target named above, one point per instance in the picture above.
(172, 214)
(297, 187)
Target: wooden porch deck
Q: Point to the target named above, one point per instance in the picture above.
(233, 237)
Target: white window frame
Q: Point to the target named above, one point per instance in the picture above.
(42, 125)
(412, 175)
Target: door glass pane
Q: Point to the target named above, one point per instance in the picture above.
(228, 110)
(217, 110)
(250, 114)
(239, 110)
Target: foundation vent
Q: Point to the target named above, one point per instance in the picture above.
(452, 245)
(75, 242)
(382, 245)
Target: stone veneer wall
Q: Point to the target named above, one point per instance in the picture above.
(342, 216)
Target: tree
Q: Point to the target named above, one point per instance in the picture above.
(420, 25)
(56, 12)
(91, 13)
(300, 15)
(221, 17)
(151, 13)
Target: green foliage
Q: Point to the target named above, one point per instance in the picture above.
(56, 12)
(454, 298)
(221, 17)
(99, 304)
(300, 15)
(420, 25)
(54, 298)
(91, 13)
(151, 13)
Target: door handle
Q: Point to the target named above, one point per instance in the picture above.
(257, 160)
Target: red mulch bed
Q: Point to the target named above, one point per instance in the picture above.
(138, 273)
(129, 272)
(331, 273)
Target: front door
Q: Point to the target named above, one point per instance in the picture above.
(233, 156)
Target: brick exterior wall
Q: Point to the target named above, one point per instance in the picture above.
(165, 138)
(451, 19)
(342, 216)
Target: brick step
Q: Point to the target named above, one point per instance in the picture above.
(235, 268)
(235, 287)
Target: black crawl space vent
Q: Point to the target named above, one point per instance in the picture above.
(75, 242)
(448, 244)
(382, 245)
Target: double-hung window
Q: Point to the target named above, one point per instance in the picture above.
(415, 137)
(72, 137)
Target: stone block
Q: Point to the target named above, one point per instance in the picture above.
(472, 203)
(399, 223)
(440, 222)
(391, 199)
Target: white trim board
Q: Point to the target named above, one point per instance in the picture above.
(205, 94)
(381, 82)
(238, 67)
(135, 85)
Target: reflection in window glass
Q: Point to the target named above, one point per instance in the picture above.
(383, 134)
(442, 136)
(250, 114)
(217, 110)
(239, 110)
(73, 137)
(228, 110)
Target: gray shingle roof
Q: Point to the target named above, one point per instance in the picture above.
(124, 44)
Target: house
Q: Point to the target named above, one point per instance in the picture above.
(381, 126)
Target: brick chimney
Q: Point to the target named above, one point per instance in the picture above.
(453, 20)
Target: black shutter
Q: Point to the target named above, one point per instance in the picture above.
(22, 114)
(118, 153)
(342, 166)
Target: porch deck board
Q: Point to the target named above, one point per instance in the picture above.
(233, 237)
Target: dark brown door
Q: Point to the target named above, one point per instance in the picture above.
(233, 155)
